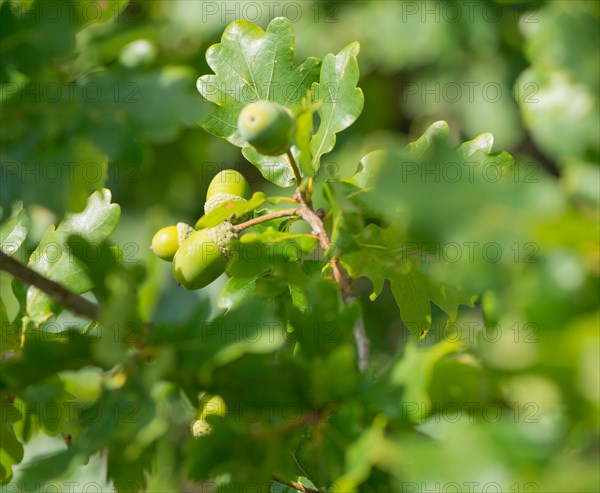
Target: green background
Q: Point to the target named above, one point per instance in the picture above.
(105, 95)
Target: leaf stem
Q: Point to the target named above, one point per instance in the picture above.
(73, 302)
(266, 217)
(294, 166)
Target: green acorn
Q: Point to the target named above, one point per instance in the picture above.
(203, 256)
(267, 126)
(166, 241)
(231, 182)
(227, 187)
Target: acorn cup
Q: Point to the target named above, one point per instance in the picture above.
(200, 428)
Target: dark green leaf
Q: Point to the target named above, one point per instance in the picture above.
(381, 255)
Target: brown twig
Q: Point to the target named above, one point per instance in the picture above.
(307, 213)
(293, 484)
(266, 217)
(360, 336)
(75, 303)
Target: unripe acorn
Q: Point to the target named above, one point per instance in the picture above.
(165, 242)
(231, 182)
(267, 126)
(202, 257)
(228, 186)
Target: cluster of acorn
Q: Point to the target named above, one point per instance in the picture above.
(199, 257)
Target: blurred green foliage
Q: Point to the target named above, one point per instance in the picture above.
(501, 395)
